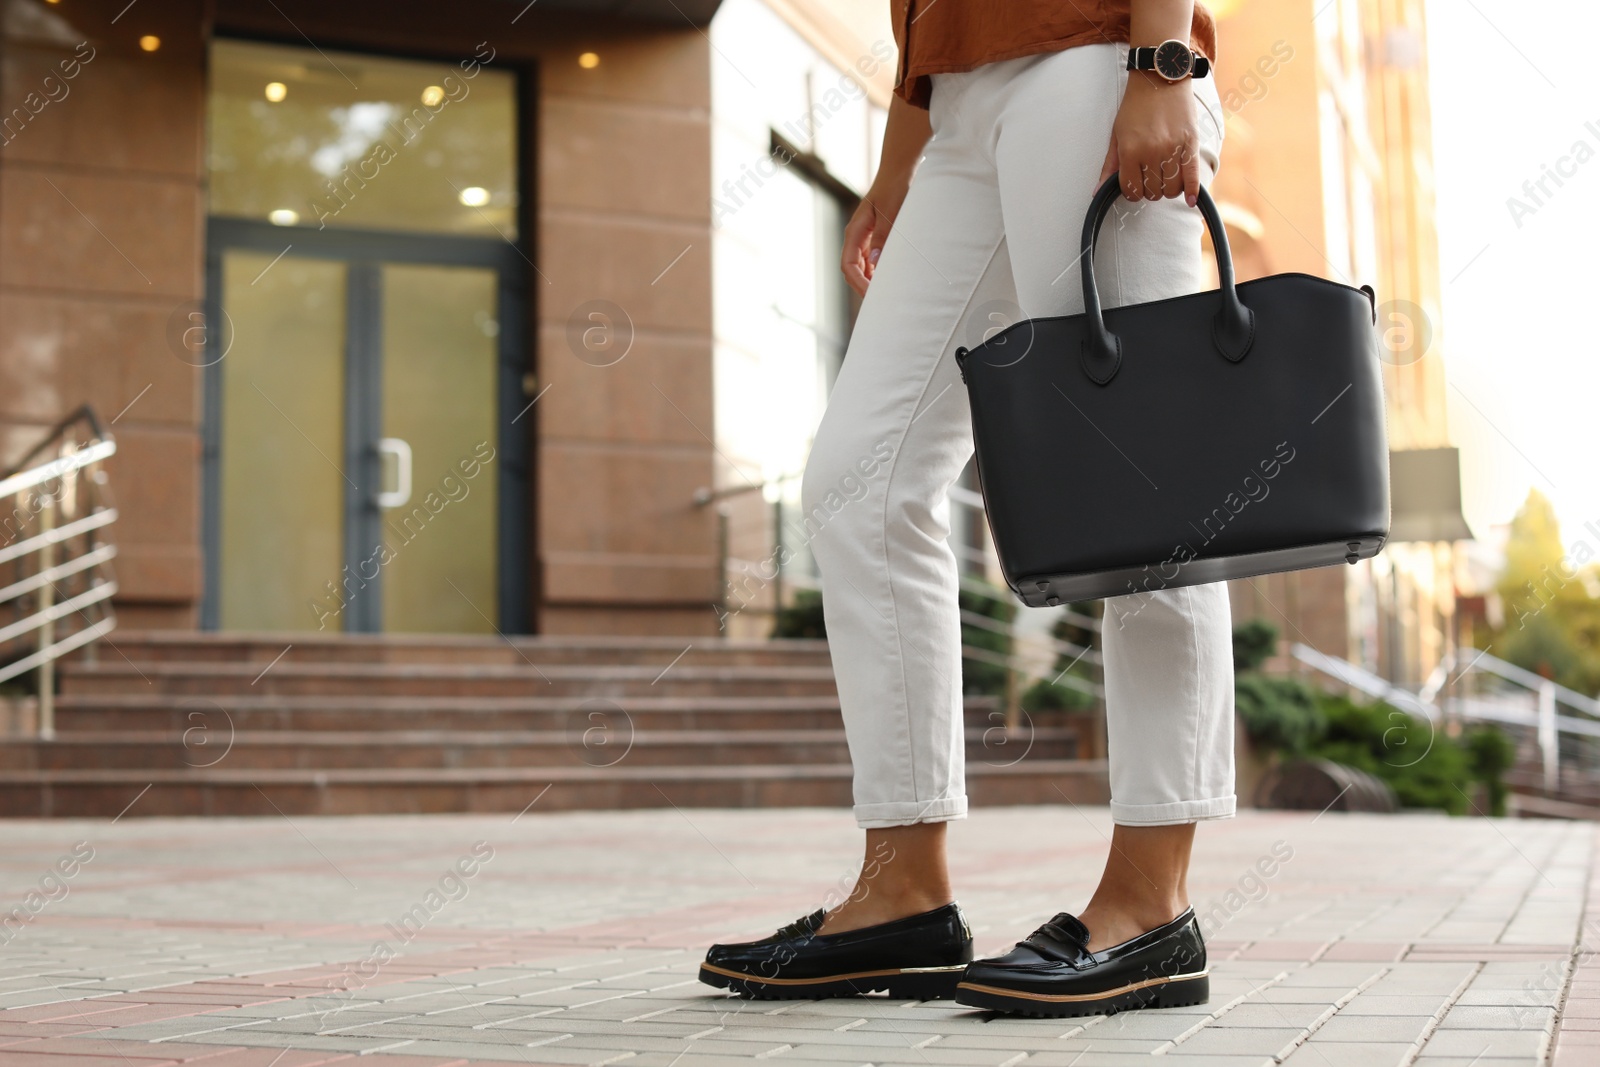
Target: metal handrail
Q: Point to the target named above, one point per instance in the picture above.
(55, 563)
(1539, 710)
(1477, 660)
(83, 413)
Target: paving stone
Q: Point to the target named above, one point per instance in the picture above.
(1380, 1028)
(1487, 1042)
(1350, 1053)
(1501, 1017)
(1257, 1040)
(1371, 1003)
(1272, 1015)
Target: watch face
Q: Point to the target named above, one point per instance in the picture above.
(1173, 60)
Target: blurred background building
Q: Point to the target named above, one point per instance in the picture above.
(1327, 169)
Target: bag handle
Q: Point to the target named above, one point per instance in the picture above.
(1232, 331)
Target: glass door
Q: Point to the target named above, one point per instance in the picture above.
(284, 395)
(365, 456)
(360, 454)
(440, 333)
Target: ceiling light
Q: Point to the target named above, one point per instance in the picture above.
(589, 60)
(432, 95)
(276, 91)
(149, 42)
(474, 196)
(283, 216)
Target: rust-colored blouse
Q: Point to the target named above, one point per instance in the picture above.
(943, 36)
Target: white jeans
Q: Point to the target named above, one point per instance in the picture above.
(988, 234)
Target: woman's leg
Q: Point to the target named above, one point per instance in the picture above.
(1168, 654)
(904, 872)
(896, 435)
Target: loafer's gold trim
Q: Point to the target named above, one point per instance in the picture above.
(1073, 998)
(748, 977)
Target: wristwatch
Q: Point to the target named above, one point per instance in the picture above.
(1172, 60)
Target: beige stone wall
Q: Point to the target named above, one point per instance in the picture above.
(100, 241)
(624, 217)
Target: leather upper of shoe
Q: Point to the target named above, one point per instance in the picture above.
(1056, 957)
(937, 938)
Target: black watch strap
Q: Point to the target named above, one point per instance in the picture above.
(1145, 59)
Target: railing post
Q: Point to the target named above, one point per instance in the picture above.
(47, 632)
(722, 563)
(777, 558)
(1549, 738)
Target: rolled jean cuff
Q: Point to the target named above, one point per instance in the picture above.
(910, 812)
(1175, 813)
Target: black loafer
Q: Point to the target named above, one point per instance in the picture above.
(1053, 973)
(921, 957)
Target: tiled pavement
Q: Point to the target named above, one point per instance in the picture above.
(1368, 941)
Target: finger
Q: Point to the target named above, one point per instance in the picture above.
(1173, 171)
(854, 276)
(853, 259)
(1191, 177)
(1172, 174)
(856, 280)
(1110, 166)
(1149, 184)
(880, 237)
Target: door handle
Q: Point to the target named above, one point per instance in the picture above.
(401, 451)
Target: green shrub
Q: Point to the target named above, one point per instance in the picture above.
(1254, 642)
(1278, 714)
(1490, 754)
(1047, 694)
(803, 618)
(1425, 768)
(981, 677)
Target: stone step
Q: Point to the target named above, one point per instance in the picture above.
(1574, 787)
(1534, 806)
(219, 791)
(98, 714)
(146, 646)
(204, 747)
(220, 680)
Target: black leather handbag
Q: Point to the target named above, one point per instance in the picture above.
(1217, 435)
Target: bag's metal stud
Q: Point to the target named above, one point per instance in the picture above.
(1042, 585)
(1351, 559)
(1354, 546)
(1052, 601)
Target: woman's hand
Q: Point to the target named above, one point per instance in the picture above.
(1153, 140)
(905, 134)
(868, 229)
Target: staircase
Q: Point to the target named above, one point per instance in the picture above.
(259, 724)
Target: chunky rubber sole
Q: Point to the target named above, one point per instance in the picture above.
(917, 983)
(1175, 992)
